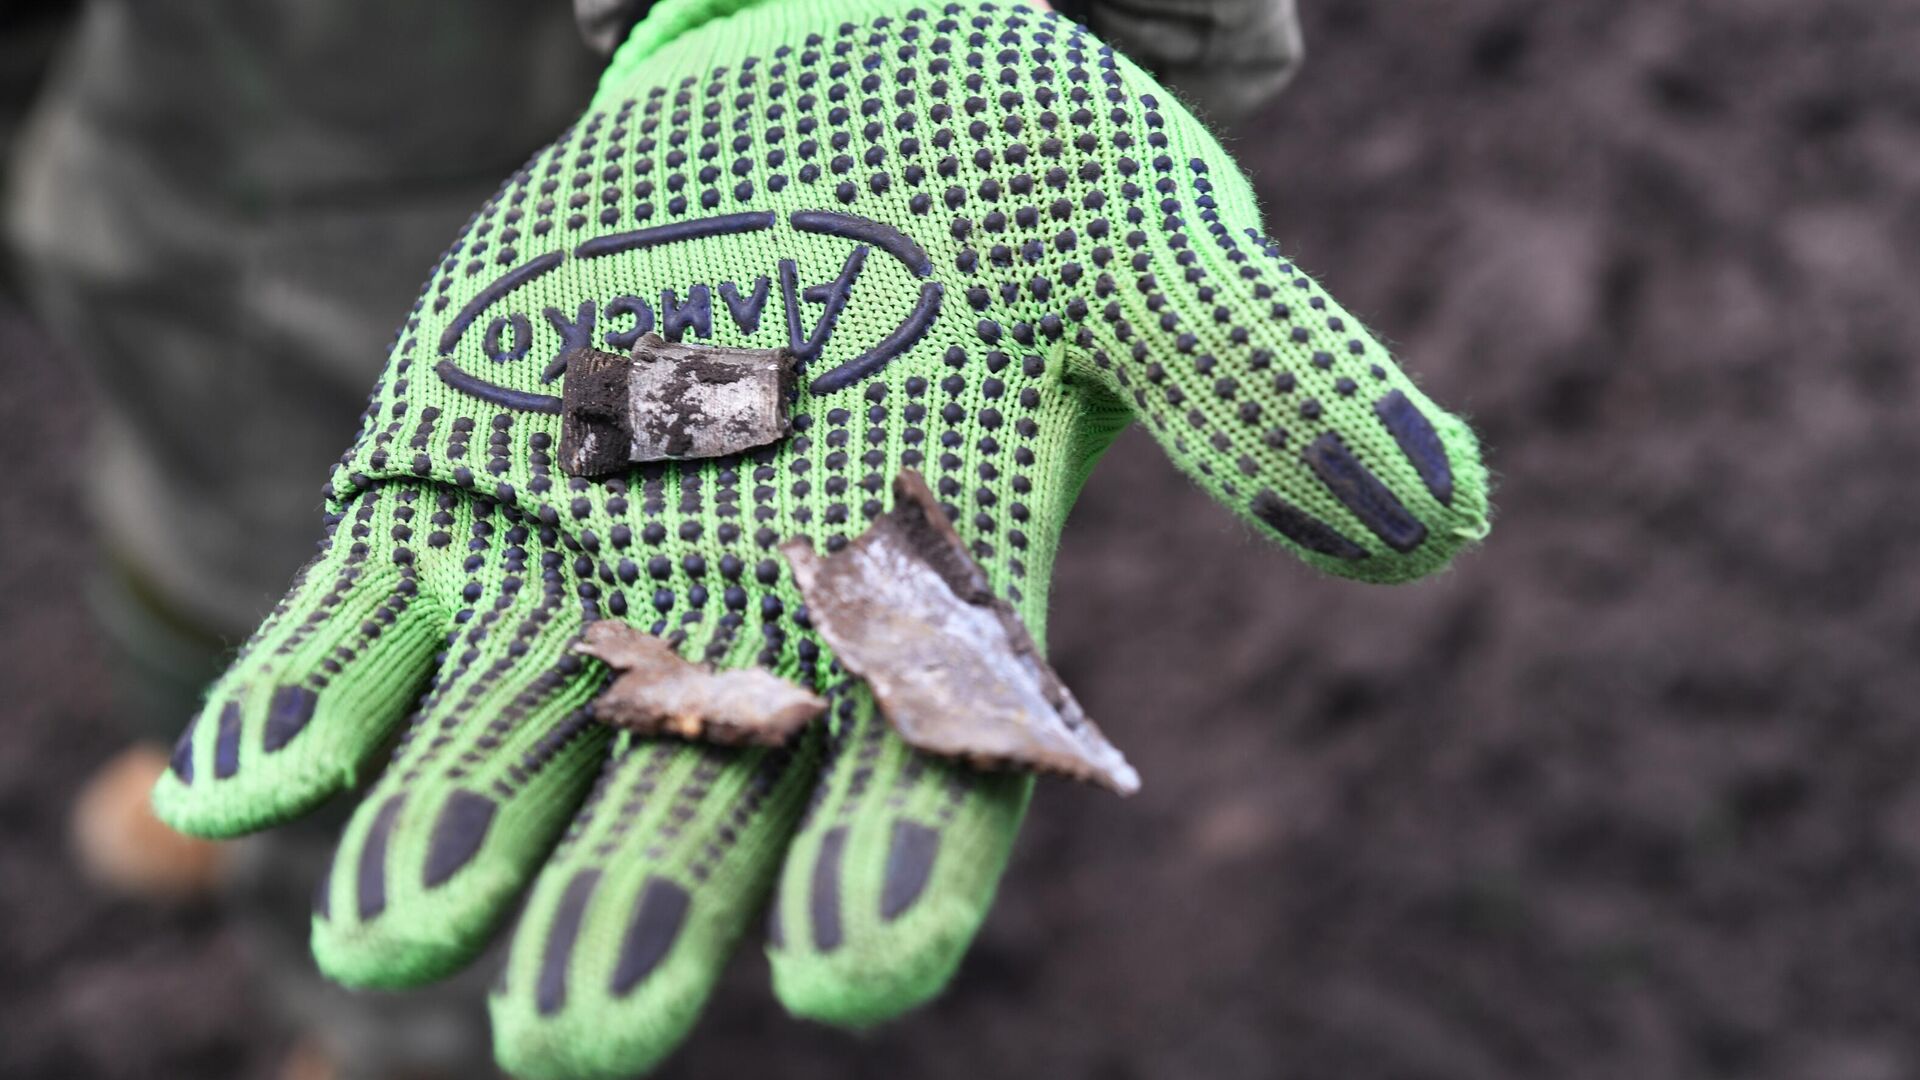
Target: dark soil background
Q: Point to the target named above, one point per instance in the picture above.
(1632, 792)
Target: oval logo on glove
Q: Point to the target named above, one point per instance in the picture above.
(810, 309)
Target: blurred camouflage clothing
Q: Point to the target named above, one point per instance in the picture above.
(1225, 57)
(250, 191)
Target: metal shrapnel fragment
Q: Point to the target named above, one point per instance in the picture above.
(670, 401)
(595, 438)
(655, 692)
(954, 669)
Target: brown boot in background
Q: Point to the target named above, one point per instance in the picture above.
(120, 845)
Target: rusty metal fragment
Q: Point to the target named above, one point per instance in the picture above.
(952, 666)
(656, 692)
(670, 401)
(595, 438)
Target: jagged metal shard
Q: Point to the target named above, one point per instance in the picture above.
(695, 401)
(656, 692)
(670, 401)
(595, 439)
(953, 668)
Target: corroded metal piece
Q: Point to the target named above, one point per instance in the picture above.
(670, 401)
(697, 401)
(952, 666)
(595, 436)
(657, 692)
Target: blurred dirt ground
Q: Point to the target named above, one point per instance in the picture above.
(1630, 793)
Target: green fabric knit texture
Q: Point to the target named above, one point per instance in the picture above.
(993, 242)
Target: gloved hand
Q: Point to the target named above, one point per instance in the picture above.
(994, 242)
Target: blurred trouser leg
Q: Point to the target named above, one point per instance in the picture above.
(158, 665)
(222, 209)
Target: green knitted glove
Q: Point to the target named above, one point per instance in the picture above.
(994, 242)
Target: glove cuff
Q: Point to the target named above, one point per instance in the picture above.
(709, 29)
(668, 20)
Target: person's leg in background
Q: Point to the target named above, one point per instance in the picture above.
(222, 209)
(1225, 58)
